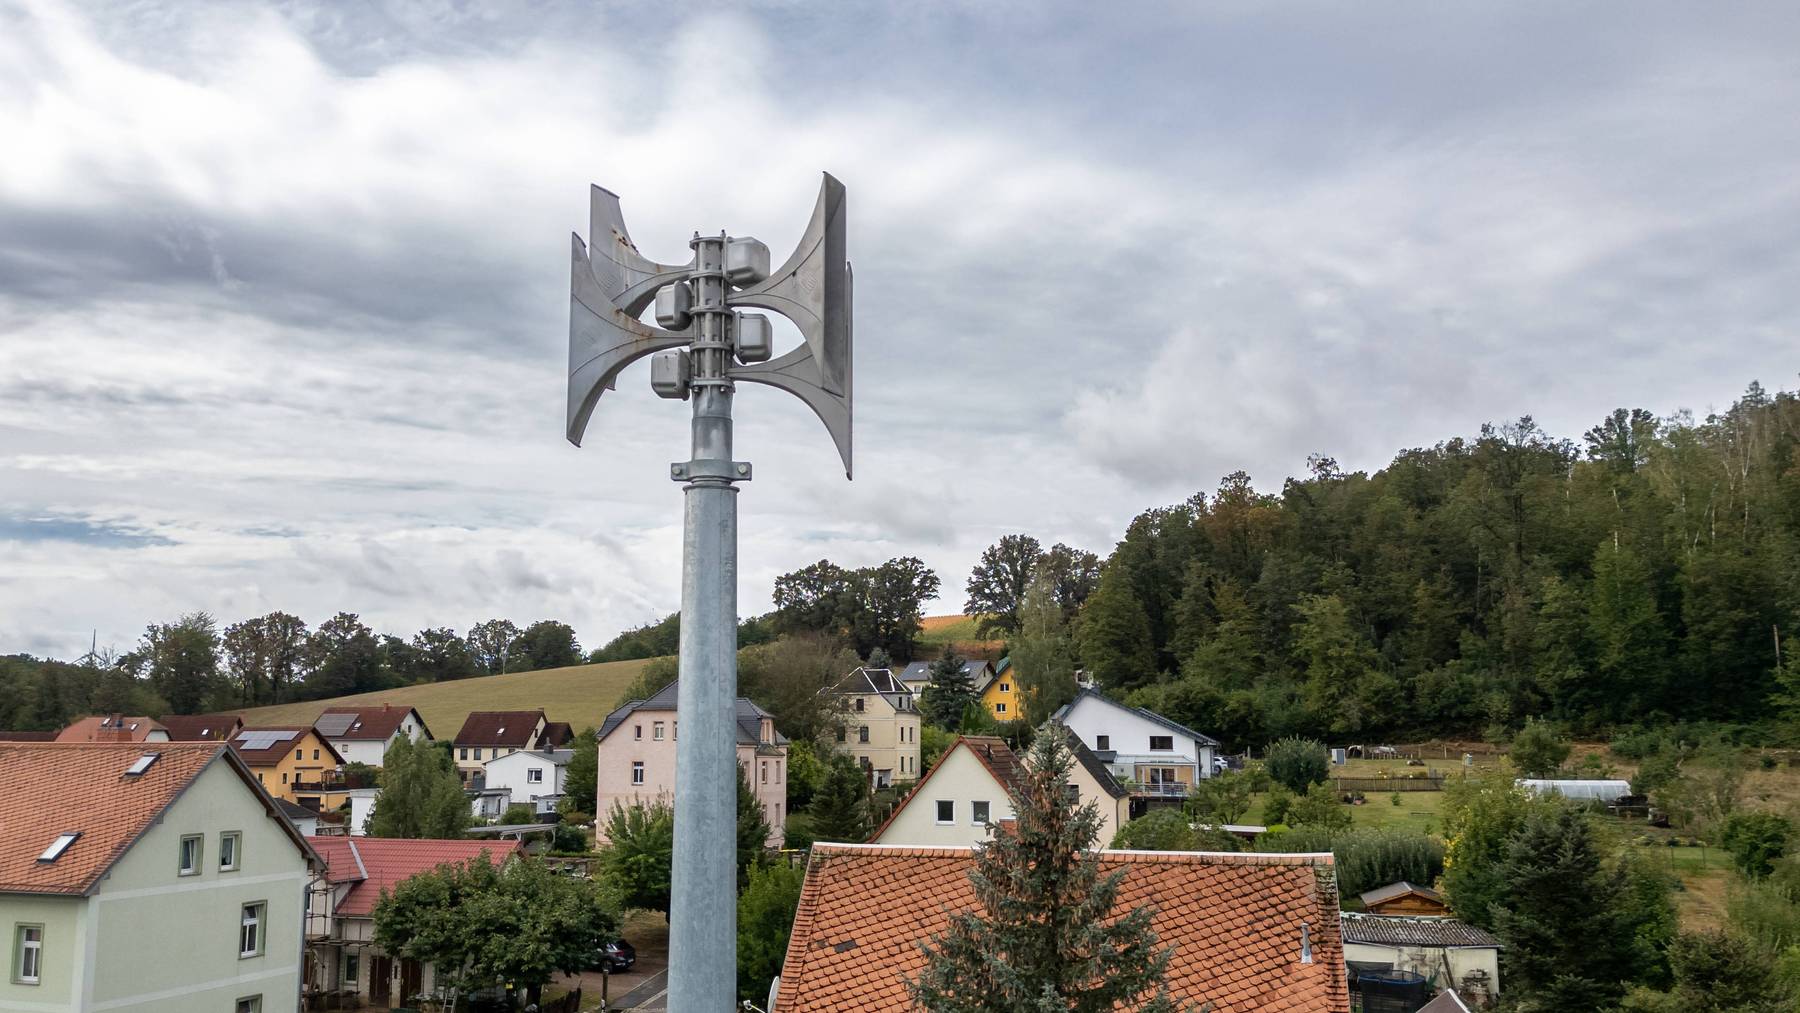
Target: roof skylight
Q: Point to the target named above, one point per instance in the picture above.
(141, 764)
(58, 846)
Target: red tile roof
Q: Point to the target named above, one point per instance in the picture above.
(1235, 922)
(27, 736)
(374, 864)
(51, 788)
(202, 727)
(500, 728)
(109, 728)
(372, 723)
(994, 754)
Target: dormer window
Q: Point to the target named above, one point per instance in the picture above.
(58, 846)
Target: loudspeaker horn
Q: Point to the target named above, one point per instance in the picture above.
(813, 289)
(607, 292)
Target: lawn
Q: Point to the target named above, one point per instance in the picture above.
(581, 695)
(1418, 810)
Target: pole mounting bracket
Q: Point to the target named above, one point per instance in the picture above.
(719, 471)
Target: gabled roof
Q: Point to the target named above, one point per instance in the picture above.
(1400, 889)
(880, 682)
(749, 716)
(517, 729)
(1447, 1001)
(110, 728)
(294, 811)
(52, 788)
(1095, 767)
(371, 724)
(1088, 693)
(28, 736)
(979, 672)
(556, 735)
(265, 746)
(995, 756)
(1413, 930)
(1236, 923)
(559, 757)
(374, 864)
(202, 727)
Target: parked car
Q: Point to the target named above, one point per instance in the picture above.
(615, 957)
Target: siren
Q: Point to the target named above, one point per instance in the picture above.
(813, 289)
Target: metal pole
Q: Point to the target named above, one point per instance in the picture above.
(703, 908)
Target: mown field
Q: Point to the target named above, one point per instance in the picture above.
(958, 631)
(580, 695)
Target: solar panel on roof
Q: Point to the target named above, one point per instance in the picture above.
(330, 725)
(262, 740)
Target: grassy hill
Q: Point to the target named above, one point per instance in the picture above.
(958, 631)
(580, 695)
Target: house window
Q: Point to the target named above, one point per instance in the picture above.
(352, 968)
(1162, 743)
(284, 778)
(637, 772)
(946, 811)
(299, 754)
(862, 735)
(250, 935)
(765, 771)
(1103, 742)
(999, 708)
(478, 752)
(190, 855)
(637, 731)
(841, 735)
(228, 851)
(250, 1004)
(656, 731)
(534, 775)
(778, 812)
(28, 954)
(859, 705)
(978, 813)
(315, 754)
(463, 753)
(1004, 688)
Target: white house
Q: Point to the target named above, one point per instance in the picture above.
(1156, 756)
(363, 734)
(151, 877)
(962, 798)
(532, 777)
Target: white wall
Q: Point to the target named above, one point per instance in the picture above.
(1430, 961)
(513, 770)
(1129, 735)
(961, 779)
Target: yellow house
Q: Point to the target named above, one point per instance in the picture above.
(292, 763)
(1000, 695)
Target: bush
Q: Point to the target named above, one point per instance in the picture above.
(1639, 743)
(518, 813)
(1298, 763)
(1158, 830)
(1539, 749)
(1276, 806)
(1755, 840)
(1656, 772)
(1365, 858)
(1319, 807)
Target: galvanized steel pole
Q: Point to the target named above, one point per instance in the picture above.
(703, 909)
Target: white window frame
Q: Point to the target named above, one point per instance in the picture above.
(637, 772)
(656, 730)
(248, 1004)
(251, 922)
(942, 820)
(32, 948)
(183, 868)
(352, 969)
(1000, 707)
(236, 850)
(981, 813)
(534, 775)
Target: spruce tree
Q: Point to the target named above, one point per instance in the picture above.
(840, 808)
(948, 693)
(1044, 936)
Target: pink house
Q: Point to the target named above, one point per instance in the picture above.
(637, 758)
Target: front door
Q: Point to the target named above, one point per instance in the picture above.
(381, 974)
(412, 980)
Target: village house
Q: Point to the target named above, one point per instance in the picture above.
(291, 763)
(148, 877)
(343, 961)
(532, 777)
(202, 727)
(1404, 898)
(880, 727)
(1155, 757)
(114, 728)
(999, 690)
(487, 734)
(363, 734)
(636, 758)
(1248, 931)
(1096, 784)
(1448, 953)
(917, 675)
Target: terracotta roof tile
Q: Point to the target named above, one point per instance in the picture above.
(1233, 920)
(376, 723)
(500, 728)
(110, 728)
(375, 864)
(49, 788)
(202, 727)
(993, 752)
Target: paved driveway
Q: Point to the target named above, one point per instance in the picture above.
(653, 994)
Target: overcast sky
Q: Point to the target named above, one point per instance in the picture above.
(284, 288)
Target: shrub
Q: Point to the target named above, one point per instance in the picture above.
(1755, 840)
(1277, 804)
(1319, 807)
(1159, 830)
(1365, 858)
(1539, 749)
(1655, 773)
(1298, 763)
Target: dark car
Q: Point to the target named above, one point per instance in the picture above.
(615, 956)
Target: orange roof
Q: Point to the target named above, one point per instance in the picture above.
(110, 728)
(994, 754)
(52, 788)
(1235, 921)
(375, 864)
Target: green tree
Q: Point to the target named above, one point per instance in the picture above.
(1116, 648)
(1756, 840)
(1345, 684)
(949, 692)
(998, 584)
(1561, 916)
(1043, 654)
(1630, 640)
(639, 854)
(545, 644)
(765, 917)
(183, 660)
(1044, 903)
(1716, 972)
(344, 657)
(490, 645)
(1319, 807)
(481, 925)
(439, 655)
(840, 809)
(805, 773)
(1223, 798)
(581, 781)
(517, 814)
(421, 796)
(1481, 814)
(1539, 750)
(1298, 764)
(752, 830)
(1157, 830)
